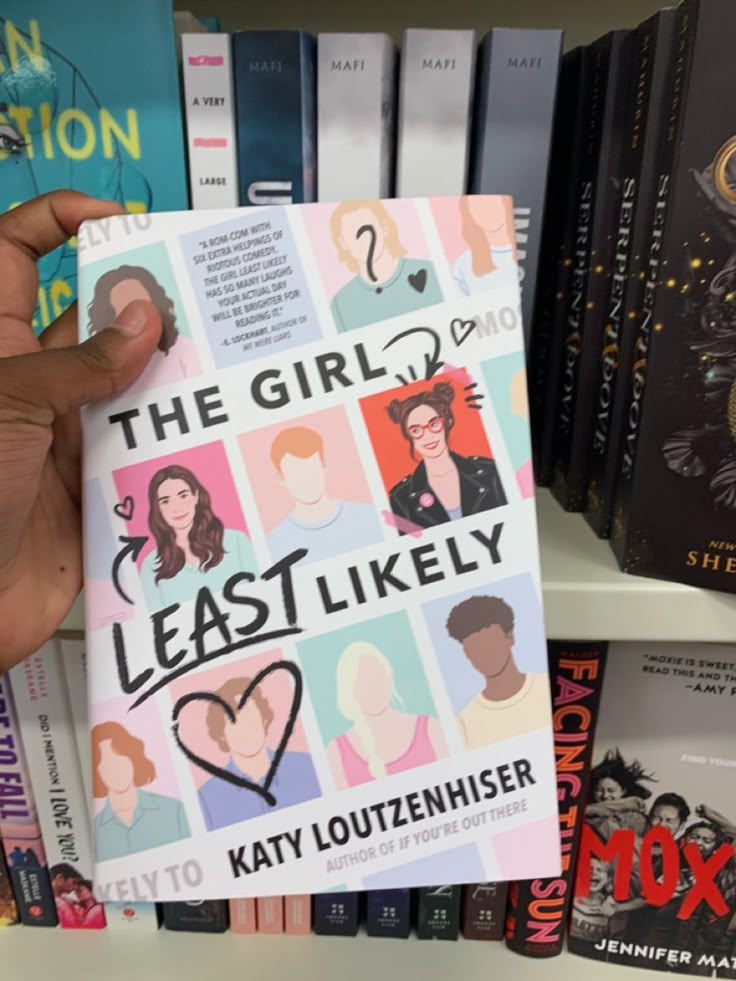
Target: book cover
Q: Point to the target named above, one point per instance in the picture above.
(591, 272)
(483, 910)
(196, 916)
(436, 86)
(275, 115)
(515, 97)
(538, 908)
(565, 205)
(679, 459)
(20, 829)
(323, 661)
(243, 915)
(207, 69)
(656, 883)
(74, 116)
(47, 730)
(270, 914)
(663, 39)
(336, 914)
(8, 907)
(298, 914)
(388, 912)
(356, 116)
(438, 912)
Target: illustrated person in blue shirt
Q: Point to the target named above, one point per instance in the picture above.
(386, 283)
(250, 757)
(193, 548)
(318, 522)
(132, 820)
(491, 258)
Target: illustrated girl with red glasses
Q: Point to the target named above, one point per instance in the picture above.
(444, 485)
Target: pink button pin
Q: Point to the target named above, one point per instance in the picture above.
(426, 500)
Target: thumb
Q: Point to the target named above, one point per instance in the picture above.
(64, 378)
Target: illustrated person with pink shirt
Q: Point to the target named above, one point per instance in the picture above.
(383, 739)
(175, 357)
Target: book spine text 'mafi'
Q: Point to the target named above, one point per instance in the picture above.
(298, 914)
(356, 81)
(518, 73)
(123, 915)
(243, 915)
(538, 908)
(483, 911)
(47, 729)
(210, 120)
(270, 914)
(275, 115)
(437, 78)
(20, 829)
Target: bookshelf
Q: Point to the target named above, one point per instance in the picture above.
(191, 957)
(586, 596)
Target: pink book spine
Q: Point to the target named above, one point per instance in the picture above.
(243, 916)
(298, 914)
(270, 914)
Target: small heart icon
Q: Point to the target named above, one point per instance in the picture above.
(126, 509)
(461, 330)
(418, 280)
(262, 789)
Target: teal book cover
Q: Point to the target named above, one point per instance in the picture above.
(89, 100)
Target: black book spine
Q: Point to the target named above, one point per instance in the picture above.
(336, 914)
(538, 908)
(633, 371)
(598, 512)
(483, 912)
(388, 913)
(438, 912)
(590, 274)
(203, 916)
(548, 354)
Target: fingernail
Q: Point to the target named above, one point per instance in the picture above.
(132, 319)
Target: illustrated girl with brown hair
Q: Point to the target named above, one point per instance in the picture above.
(491, 259)
(176, 356)
(193, 547)
(444, 485)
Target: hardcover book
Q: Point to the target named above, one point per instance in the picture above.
(483, 910)
(20, 829)
(356, 116)
(438, 912)
(298, 914)
(518, 72)
(275, 114)
(337, 914)
(656, 880)
(388, 912)
(243, 915)
(270, 914)
(679, 454)
(313, 606)
(73, 115)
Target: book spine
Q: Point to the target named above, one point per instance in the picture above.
(8, 905)
(270, 914)
(119, 915)
(436, 83)
(574, 197)
(298, 914)
(388, 913)
(538, 908)
(48, 736)
(633, 371)
(438, 912)
(243, 915)
(275, 110)
(587, 320)
(336, 913)
(210, 120)
(518, 73)
(19, 823)
(198, 916)
(654, 44)
(483, 913)
(356, 94)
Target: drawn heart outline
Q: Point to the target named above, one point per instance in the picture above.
(126, 509)
(262, 789)
(461, 330)
(418, 280)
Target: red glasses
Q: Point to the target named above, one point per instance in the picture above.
(435, 425)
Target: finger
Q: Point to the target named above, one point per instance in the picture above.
(39, 387)
(63, 331)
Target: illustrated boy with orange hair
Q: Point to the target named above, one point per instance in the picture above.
(322, 524)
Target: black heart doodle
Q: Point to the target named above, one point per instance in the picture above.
(461, 330)
(418, 280)
(126, 509)
(262, 789)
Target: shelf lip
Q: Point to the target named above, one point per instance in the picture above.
(587, 597)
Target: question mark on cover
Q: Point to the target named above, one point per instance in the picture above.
(371, 248)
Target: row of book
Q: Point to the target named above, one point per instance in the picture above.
(633, 355)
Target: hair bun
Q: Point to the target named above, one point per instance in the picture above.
(394, 410)
(445, 392)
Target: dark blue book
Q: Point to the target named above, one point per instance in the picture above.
(336, 913)
(275, 108)
(388, 912)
